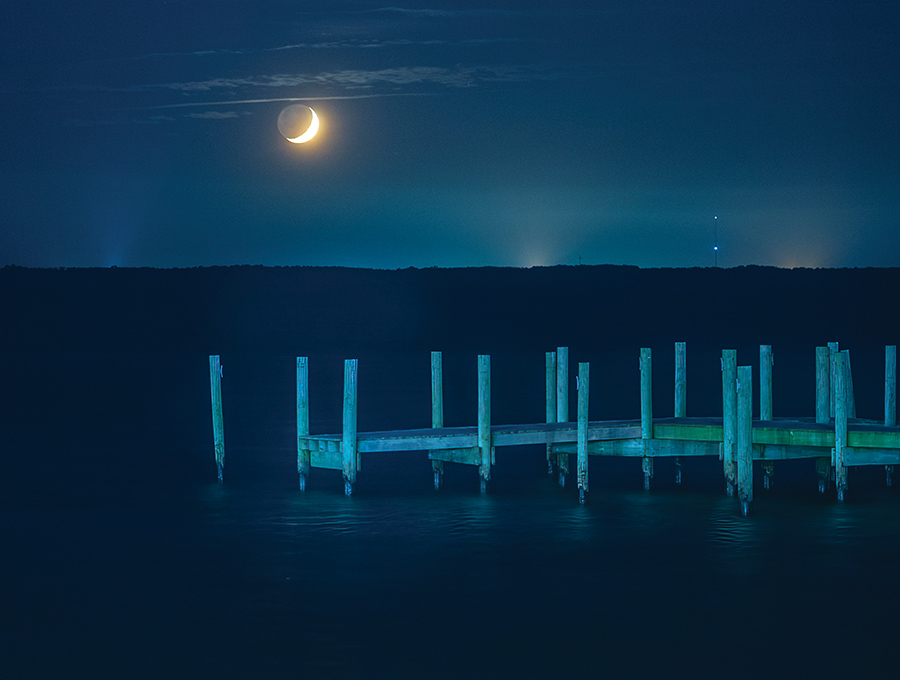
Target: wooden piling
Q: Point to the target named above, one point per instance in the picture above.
(680, 394)
(218, 420)
(349, 451)
(851, 394)
(890, 399)
(437, 410)
(890, 385)
(823, 409)
(823, 385)
(766, 361)
(841, 414)
(584, 376)
(550, 379)
(745, 437)
(646, 413)
(302, 420)
(680, 380)
(832, 350)
(729, 419)
(484, 419)
(562, 405)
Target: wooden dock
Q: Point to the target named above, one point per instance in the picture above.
(835, 438)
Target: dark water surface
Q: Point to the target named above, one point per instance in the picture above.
(123, 558)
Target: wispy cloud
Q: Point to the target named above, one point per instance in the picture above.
(213, 115)
(349, 43)
(464, 76)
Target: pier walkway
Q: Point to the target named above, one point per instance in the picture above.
(835, 438)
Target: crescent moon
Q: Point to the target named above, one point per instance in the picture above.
(310, 132)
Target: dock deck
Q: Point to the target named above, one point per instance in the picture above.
(835, 438)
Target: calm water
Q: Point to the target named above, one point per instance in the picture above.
(122, 558)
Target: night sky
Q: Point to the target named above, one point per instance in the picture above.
(452, 133)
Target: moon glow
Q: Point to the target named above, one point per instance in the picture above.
(298, 123)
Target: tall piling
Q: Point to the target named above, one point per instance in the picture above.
(349, 450)
(824, 399)
(302, 420)
(766, 362)
(890, 385)
(841, 414)
(833, 349)
(680, 394)
(437, 410)
(484, 419)
(584, 377)
(890, 399)
(823, 385)
(646, 414)
(218, 421)
(562, 405)
(729, 419)
(680, 380)
(550, 400)
(848, 378)
(745, 438)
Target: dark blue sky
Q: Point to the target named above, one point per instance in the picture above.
(453, 134)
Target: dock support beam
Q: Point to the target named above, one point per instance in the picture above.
(646, 413)
(562, 405)
(745, 438)
(824, 399)
(218, 420)
(832, 364)
(680, 394)
(302, 420)
(729, 419)
(484, 419)
(823, 385)
(840, 422)
(349, 451)
(550, 375)
(890, 399)
(584, 377)
(437, 410)
(766, 361)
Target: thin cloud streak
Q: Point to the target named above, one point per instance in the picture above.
(337, 44)
(269, 100)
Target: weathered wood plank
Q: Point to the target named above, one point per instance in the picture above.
(655, 448)
(437, 410)
(550, 398)
(584, 377)
(680, 392)
(854, 456)
(840, 423)
(303, 461)
(329, 459)
(680, 380)
(823, 385)
(467, 456)
(349, 453)
(744, 437)
(890, 385)
(766, 362)
(562, 405)
(218, 419)
(687, 430)
(646, 411)
(484, 418)
(729, 419)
